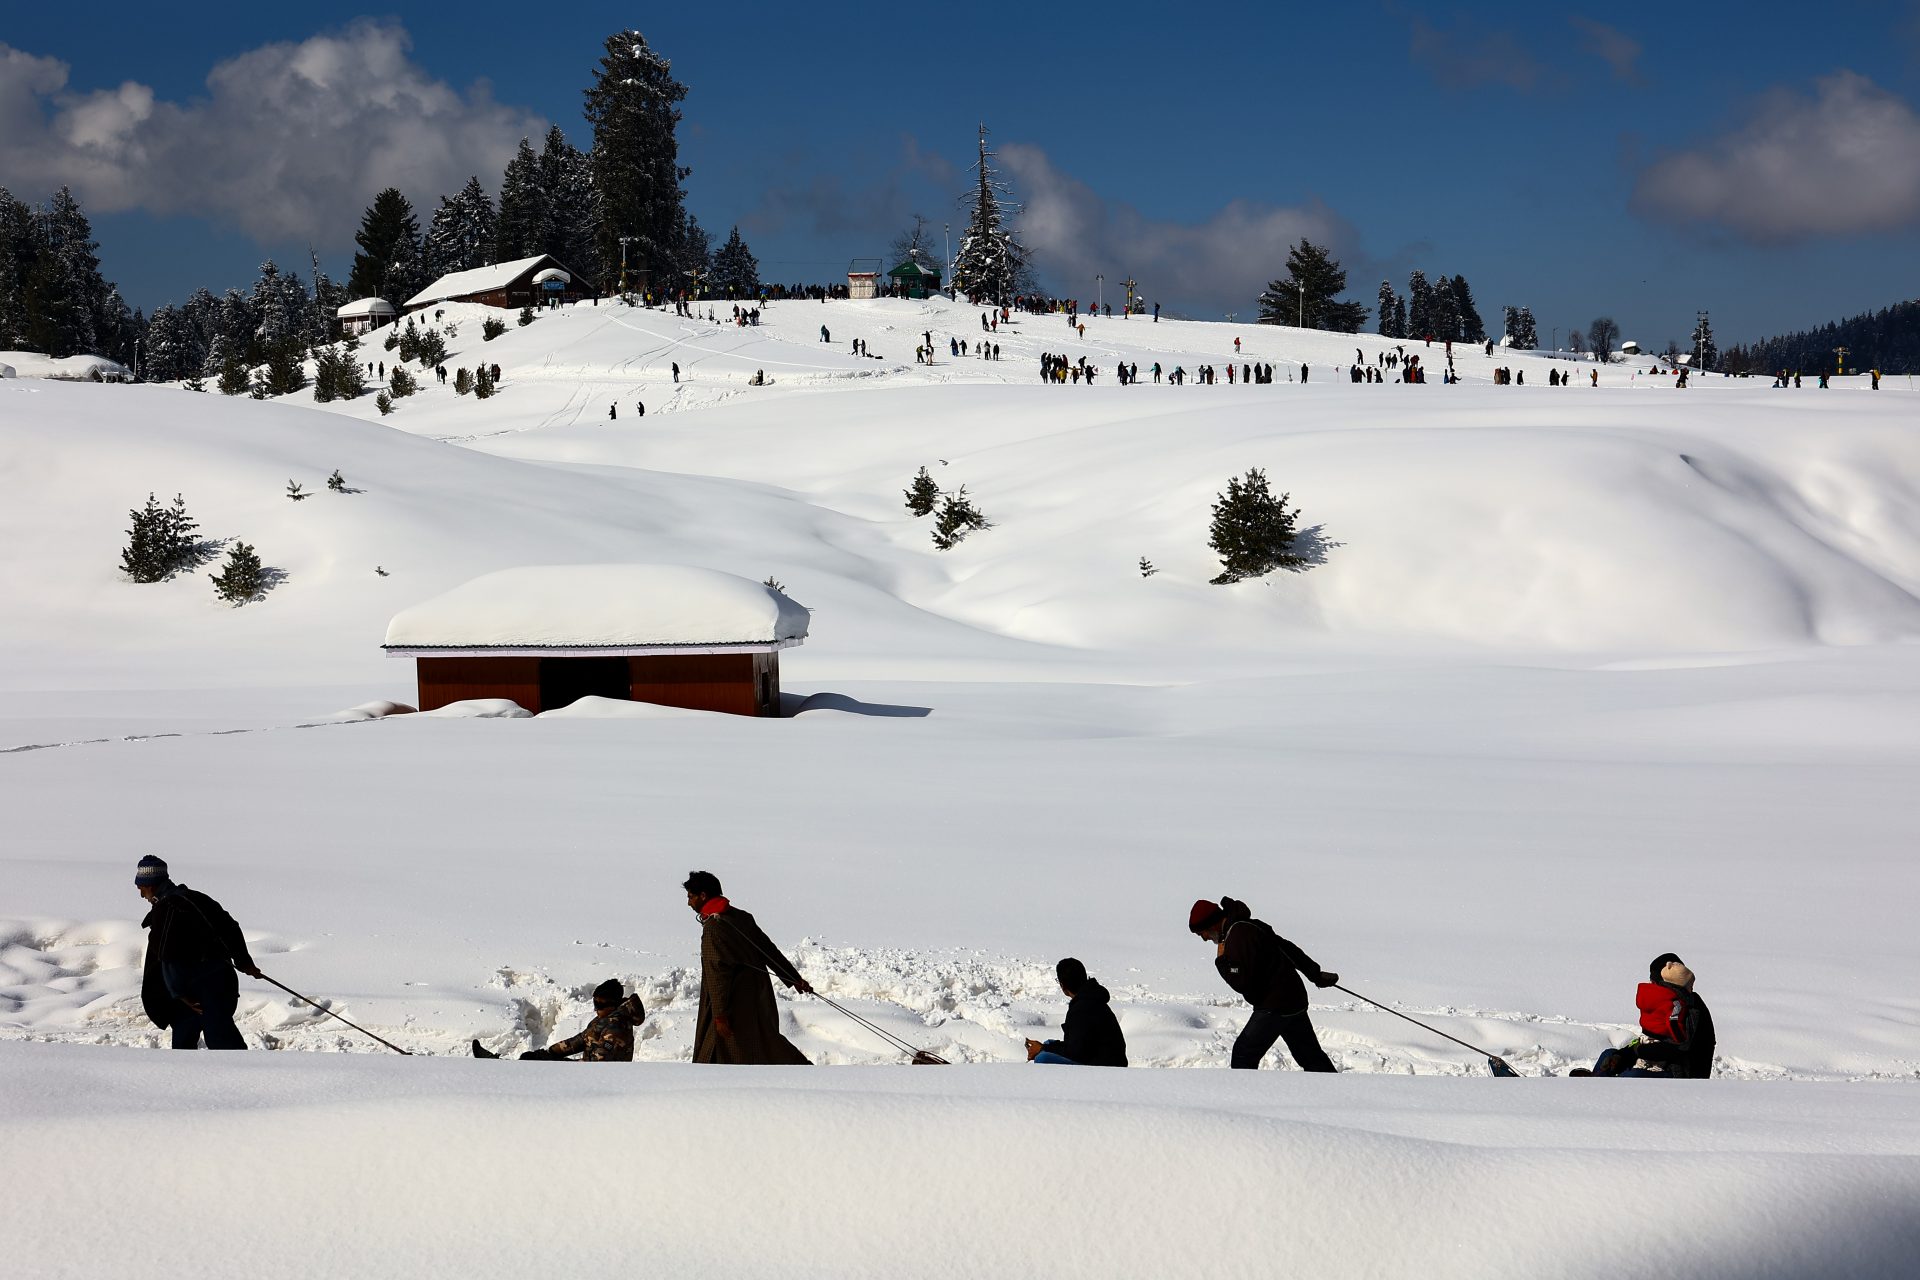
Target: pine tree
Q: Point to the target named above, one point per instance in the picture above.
(19, 245)
(734, 268)
(462, 382)
(388, 264)
(170, 353)
(1386, 308)
(1522, 335)
(1705, 354)
(462, 233)
(295, 492)
(1399, 317)
(243, 577)
(337, 482)
(957, 518)
(384, 403)
(1472, 327)
(145, 558)
(1252, 530)
(483, 383)
(695, 264)
(67, 299)
(1419, 307)
(1309, 294)
(520, 225)
(526, 316)
(234, 378)
(400, 383)
(1446, 314)
(633, 106)
(570, 212)
(1146, 568)
(991, 265)
(922, 494)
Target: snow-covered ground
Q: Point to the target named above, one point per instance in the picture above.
(1580, 675)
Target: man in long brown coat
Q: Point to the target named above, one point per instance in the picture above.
(738, 1020)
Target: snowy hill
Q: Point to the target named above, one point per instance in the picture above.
(1580, 675)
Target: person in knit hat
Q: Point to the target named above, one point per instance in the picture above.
(193, 949)
(1265, 968)
(608, 1038)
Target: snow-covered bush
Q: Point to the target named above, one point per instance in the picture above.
(526, 316)
(384, 403)
(1252, 530)
(491, 328)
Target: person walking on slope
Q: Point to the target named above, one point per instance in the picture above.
(1090, 1036)
(608, 1038)
(1676, 1040)
(193, 948)
(1264, 968)
(738, 1021)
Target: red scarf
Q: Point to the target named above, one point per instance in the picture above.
(712, 907)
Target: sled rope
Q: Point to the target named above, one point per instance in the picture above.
(920, 1057)
(331, 1014)
(1492, 1058)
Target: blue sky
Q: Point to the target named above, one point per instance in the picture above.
(1762, 161)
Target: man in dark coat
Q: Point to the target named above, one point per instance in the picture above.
(1265, 968)
(738, 1021)
(1091, 1035)
(193, 947)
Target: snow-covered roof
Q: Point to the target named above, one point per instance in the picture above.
(606, 607)
(551, 273)
(461, 284)
(366, 307)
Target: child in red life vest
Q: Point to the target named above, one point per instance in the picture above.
(1676, 1038)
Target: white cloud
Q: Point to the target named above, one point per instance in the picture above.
(1614, 47)
(1217, 265)
(291, 141)
(1843, 162)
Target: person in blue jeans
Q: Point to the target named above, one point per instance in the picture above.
(193, 949)
(1091, 1035)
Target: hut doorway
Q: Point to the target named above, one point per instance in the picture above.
(564, 681)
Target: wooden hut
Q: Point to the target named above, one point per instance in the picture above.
(863, 278)
(364, 315)
(544, 637)
(520, 283)
(911, 280)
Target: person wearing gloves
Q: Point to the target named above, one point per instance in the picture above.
(1264, 968)
(193, 949)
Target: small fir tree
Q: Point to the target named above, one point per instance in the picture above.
(922, 494)
(384, 403)
(432, 348)
(1252, 530)
(295, 492)
(1387, 299)
(242, 578)
(957, 518)
(1146, 568)
(526, 316)
(491, 328)
(234, 379)
(483, 383)
(144, 558)
(337, 482)
(462, 381)
(735, 269)
(195, 383)
(400, 383)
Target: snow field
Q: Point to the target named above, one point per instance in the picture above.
(485, 1169)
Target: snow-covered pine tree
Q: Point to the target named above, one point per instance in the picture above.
(570, 215)
(694, 267)
(462, 233)
(520, 225)
(1419, 307)
(633, 106)
(234, 377)
(483, 383)
(462, 381)
(400, 383)
(922, 494)
(957, 517)
(69, 298)
(1472, 327)
(1252, 531)
(242, 578)
(282, 315)
(1310, 293)
(1525, 337)
(18, 245)
(991, 263)
(1388, 297)
(388, 264)
(735, 272)
(526, 316)
(179, 534)
(1399, 317)
(169, 346)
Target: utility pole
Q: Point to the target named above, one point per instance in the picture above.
(947, 229)
(1839, 360)
(624, 242)
(1130, 283)
(1099, 291)
(1700, 340)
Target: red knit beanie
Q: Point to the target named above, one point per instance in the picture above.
(1203, 914)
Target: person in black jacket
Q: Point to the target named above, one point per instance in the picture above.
(1091, 1035)
(1676, 1040)
(1265, 968)
(193, 948)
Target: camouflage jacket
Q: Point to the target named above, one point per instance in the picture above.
(608, 1038)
